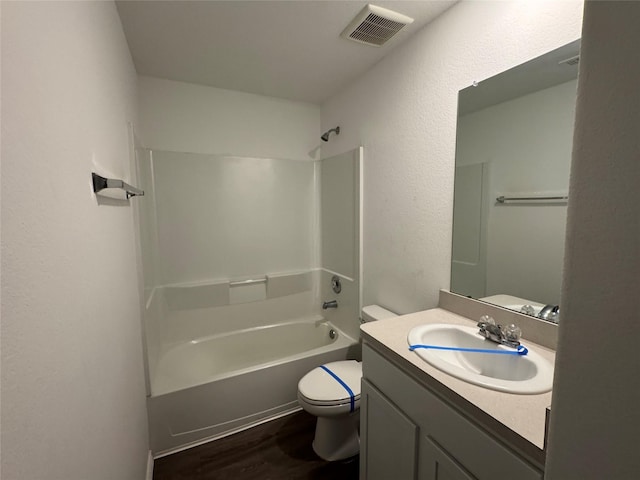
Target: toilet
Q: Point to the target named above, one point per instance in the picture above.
(331, 392)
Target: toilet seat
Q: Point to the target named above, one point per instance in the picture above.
(319, 387)
(329, 403)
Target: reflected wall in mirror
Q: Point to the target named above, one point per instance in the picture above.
(514, 140)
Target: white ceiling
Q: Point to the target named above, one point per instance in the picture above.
(288, 49)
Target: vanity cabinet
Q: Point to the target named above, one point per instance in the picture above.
(409, 432)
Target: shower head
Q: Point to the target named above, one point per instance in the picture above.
(325, 135)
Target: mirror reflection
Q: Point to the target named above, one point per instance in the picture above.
(513, 153)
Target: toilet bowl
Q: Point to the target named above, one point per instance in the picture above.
(332, 393)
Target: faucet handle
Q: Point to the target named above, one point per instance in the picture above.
(512, 333)
(488, 327)
(528, 310)
(488, 320)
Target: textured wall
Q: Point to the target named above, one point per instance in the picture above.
(403, 111)
(73, 397)
(596, 394)
(182, 117)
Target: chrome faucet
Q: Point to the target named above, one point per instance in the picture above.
(331, 304)
(509, 336)
(550, 313)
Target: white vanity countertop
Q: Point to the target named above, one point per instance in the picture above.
(522, 414)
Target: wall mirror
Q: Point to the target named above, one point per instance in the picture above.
(513, 153)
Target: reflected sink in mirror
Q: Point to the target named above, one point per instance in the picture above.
(521, 374)
(522, 308)
(513, 303)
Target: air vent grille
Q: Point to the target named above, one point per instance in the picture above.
(375, 25)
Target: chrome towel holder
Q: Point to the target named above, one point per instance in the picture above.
(100, 183)
(523, 199)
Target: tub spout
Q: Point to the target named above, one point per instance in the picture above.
(331, 304)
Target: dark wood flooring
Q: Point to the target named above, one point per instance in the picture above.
(277, 450)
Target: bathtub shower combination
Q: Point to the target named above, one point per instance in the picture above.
(227, 352)
(212, 386)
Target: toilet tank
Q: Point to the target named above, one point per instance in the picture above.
(375, 312)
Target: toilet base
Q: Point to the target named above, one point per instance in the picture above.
(337, 438)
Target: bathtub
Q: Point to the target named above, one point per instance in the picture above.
(214, 386)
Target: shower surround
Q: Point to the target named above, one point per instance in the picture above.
(235, 259)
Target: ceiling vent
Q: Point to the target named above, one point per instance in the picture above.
(375, 26)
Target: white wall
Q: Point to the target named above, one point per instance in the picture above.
(527, 144)
(222, 218)
(596, 392)
(340, 214)
(404, 113)
(249, 222)
(73, 394)
(183, 117)
(469, 245)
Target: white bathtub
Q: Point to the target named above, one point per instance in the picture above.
(213, 386)
(219, 356)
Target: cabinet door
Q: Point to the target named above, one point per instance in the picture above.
(483, 456)
(437, 464)
(388, 439)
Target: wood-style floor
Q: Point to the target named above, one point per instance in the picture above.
(276, 450)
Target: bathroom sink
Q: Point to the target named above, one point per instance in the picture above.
(513, 303)
(521, 374)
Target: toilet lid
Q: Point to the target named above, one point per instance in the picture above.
(320, 387)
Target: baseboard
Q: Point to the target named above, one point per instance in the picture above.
(149, 475)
